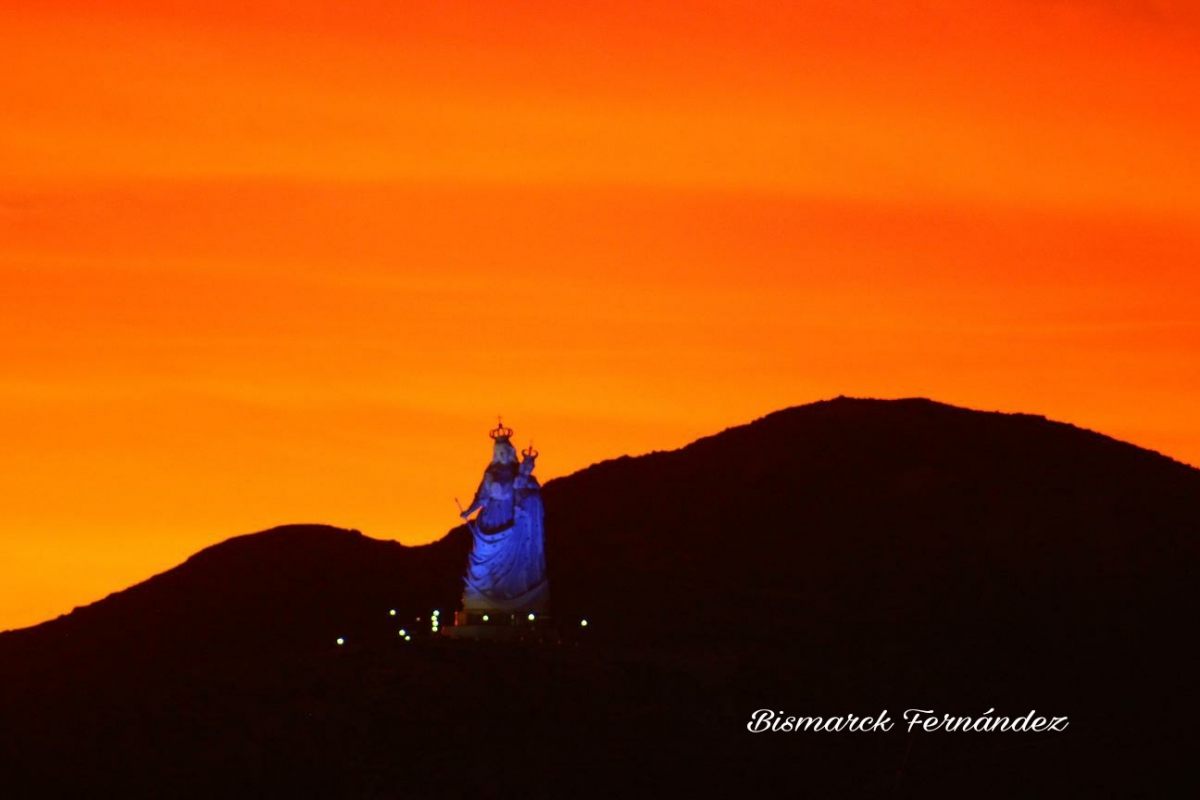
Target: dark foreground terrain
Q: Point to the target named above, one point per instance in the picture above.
(839, 558)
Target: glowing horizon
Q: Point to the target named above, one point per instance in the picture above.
(286, 263)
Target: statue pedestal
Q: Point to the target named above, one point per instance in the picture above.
(501, 626)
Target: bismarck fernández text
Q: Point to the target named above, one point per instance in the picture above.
(766, 720)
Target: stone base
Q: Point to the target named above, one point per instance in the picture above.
(499, 626)
(487, 616)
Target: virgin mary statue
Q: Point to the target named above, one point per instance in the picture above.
(506, 571)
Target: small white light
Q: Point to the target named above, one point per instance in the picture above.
(408, 638)
(531, 617)
(392, 612)
(583, 623)
(403, 632)
(436, 612)
(341, 641)
(486, 617)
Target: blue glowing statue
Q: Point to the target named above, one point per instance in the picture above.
(506, 571)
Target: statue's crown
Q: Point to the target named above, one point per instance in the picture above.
(500, 432)
(530, 453)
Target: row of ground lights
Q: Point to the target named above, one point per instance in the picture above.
(583, 623)
(435, 622)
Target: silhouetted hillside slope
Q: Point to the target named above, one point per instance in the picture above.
(295, 587)
(892, 514)
(839, 557)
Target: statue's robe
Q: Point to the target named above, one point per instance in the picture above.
(507, 567)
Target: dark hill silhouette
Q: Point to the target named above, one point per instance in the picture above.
(874, 510)
(292, 588)
(838, 557)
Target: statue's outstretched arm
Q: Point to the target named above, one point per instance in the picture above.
(480, 498)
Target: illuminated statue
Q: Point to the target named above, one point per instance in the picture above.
(506, 571)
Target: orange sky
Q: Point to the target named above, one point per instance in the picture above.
(285, 264)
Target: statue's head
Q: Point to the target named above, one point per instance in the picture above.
(503, 452)
(528, 459)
